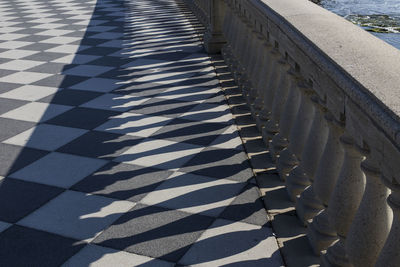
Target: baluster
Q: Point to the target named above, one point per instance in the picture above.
(281, 94)
(290, 155)
(345, 201)
(241, 40)
(371, 223)
(316, 197)
(390, 256)
(233, 38)
(269, 83)
(266, 68)
(227, 29)
(237, 44)
(243, 50)
(303, 174)
(321, 233)
(280, 140)
(247, 55)
(255, 69)
(252, 63)
(258, 70)
(240, 74)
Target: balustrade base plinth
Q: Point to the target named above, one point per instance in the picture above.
(260, 123)
(320, 233)
(307, 206)
(213, 44)
(336, 256)
(296, 182)
(286, 162)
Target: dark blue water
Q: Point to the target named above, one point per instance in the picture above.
(380, 17)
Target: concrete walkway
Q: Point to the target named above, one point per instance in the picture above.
(117, 146)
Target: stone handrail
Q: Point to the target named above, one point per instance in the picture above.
(326, 96)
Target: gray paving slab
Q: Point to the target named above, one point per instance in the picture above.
(45, 249)
(21, 198)
(10, 127)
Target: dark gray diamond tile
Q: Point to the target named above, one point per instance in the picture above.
(100, 145)
(75, 34)
(11, 128)
(154, 231)
(21, 246)
(146, 90)
(20, 198)
(24, 22)
(10, 104)
(197, 133)
(29, 31)
(72, 27)
(247, 207)
(70, 97)
(60, 81)
(100, 51)
(39, 46)
(84, 118)
(86, 70)
(5, 87)
(110, 61)
(50, 67)
(45, 56)
(122, 181)
(13, 158)
(4, 73)
(4, 60)
(220, 163)
(92, 42)
(163, 107)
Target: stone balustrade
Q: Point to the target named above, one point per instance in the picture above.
(325, 95)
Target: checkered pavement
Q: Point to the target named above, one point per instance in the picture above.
(117, 147)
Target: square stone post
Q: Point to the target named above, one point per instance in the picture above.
(213, 37)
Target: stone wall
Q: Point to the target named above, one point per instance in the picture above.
(326, 97)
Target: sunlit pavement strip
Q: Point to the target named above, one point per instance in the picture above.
(117, 146)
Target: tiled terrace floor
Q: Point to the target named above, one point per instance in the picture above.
(117, 146)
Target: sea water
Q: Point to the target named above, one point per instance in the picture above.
(380, 17)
